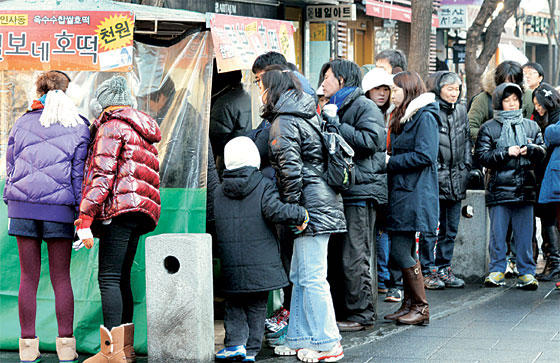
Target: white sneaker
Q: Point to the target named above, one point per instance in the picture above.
(285, 350)
(310, 355)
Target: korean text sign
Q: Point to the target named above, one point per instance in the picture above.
(238, 41)
(67, 40)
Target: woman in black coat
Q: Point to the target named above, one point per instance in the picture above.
(413, 187)
(296, 154)
(510, 147)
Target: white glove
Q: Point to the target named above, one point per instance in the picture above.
(77, 245)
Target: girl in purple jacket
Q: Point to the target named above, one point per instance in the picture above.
(45, 162)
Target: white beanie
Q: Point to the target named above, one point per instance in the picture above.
(375, 78)
(241, 151)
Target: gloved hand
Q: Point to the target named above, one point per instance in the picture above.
(475, 180)
(83, 224)
(333, 121)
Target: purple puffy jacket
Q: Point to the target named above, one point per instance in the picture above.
(45, 167)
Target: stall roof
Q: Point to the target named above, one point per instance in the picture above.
(141, 12)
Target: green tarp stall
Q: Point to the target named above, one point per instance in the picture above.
(172, 56)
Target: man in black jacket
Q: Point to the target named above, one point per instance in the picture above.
(360, 122)
(454, 163)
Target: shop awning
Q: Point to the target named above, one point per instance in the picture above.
(510, 52)
(386, 10)
(238, 40)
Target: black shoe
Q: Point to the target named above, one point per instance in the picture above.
(351, 326)
(449, 279)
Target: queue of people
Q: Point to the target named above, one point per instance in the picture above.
(331, 251)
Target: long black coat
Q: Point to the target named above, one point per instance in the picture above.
(247, 207)
(454, 157)
(363, 127)
(293, 146)
(510, 182)
(412, 170)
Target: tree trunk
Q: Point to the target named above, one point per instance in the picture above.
(482, 40)
(158, 3)
(420, 32)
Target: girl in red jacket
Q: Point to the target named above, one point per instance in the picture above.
(120, 202)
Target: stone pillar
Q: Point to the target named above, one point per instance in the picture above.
(179, 298)
(470, 256)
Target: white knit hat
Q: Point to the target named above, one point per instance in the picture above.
(241, 151)
(375, 78)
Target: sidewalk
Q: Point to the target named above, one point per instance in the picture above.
(474, 324)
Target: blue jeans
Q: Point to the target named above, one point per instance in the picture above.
(521, 217)
(449, 217)
(383, 247)
(312, 320)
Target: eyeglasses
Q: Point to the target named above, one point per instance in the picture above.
(531, 73)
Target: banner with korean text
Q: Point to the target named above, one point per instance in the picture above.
(238, 40)
(66, 40)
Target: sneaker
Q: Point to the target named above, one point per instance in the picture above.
(495, 279)
(310, 355)
(449, 279)
(284, 350)
(511, 268)
(432, 281)
(393, 295)
(527, 282)
(278, 320)
(249, 358)
(558, 285)
(274, 339)
(237, 352)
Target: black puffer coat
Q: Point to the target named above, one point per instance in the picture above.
(454, 156)
(293, 146)
(247, 207)
(363, 127)
(510, 182)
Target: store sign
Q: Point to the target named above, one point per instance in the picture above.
(459, 53)
(453, 16)
(387, 10)
(537, 25)
(331, 12)
(238, 41)
(66, 40)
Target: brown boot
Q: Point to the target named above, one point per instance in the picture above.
(419, 311)
(66, 350)
(112, 344)
(29, 350)
(129, 343)
(405, 306)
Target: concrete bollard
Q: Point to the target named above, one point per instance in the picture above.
(179, 298)
(470, 256)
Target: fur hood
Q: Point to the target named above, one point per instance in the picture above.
(488, 83)
(423, 100)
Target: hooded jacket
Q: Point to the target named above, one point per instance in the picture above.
(122, 168)
(44, 169)
(294, 146)
(247, 207)
(550, 186)
(363, 127)
(509, 181)
(412, 169)
(482, 104)
(454, 156)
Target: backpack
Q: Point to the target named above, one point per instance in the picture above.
(339, 173)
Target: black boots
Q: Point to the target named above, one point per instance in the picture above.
(551, 251)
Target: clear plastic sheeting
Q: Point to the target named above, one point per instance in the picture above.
(171, 84)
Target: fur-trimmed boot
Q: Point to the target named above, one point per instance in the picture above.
(66, 350)
(112, 344)
(129, 343)
(29, 350)
(419, 311)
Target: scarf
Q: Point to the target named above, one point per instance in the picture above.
(513, 132)
(339, 97)
(38, 104)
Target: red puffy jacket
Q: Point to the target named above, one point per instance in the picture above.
(122, 168)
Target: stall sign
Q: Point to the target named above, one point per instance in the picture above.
(238, 40)
(386, 10)
(331, 12)
(67, 40)
(453, 16)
